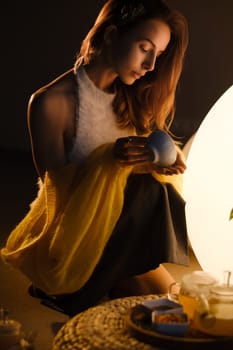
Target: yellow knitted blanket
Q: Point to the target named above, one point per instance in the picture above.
(59, 242)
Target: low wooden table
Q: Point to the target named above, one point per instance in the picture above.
(102, 327)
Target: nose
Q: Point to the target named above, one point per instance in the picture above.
(149, 62)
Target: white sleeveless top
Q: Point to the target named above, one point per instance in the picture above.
(96, 121)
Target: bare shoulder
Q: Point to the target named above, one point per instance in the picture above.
(56, 97)
(51, 121)
(52, 111)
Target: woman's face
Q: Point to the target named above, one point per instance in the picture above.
(135, 53)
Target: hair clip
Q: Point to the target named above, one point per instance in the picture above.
(130, 12)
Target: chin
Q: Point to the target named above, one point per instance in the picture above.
(129, 81)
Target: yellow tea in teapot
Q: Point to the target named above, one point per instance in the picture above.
(189, 303)
(186, 292)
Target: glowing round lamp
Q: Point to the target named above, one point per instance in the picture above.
(208, 188)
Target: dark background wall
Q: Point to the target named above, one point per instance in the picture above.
(39, 40)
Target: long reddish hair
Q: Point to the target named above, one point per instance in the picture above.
(149, 103)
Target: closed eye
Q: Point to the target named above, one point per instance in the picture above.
(144, 49)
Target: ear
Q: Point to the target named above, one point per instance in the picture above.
(110, 34)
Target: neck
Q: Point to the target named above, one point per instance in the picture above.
(102, 75)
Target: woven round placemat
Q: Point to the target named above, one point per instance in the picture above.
(101, 327)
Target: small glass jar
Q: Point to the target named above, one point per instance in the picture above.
(10, 331)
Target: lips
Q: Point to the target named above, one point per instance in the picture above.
(137, 75)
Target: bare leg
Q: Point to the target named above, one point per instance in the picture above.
(155, 281)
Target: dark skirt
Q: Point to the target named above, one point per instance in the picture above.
(151, 230)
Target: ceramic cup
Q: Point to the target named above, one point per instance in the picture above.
(163, 148)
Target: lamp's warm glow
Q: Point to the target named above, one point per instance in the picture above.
(208, 188)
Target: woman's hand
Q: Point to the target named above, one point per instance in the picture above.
(178, 167)
(132, 150)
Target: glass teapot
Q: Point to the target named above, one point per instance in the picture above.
(214, 313)
(186, 292)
